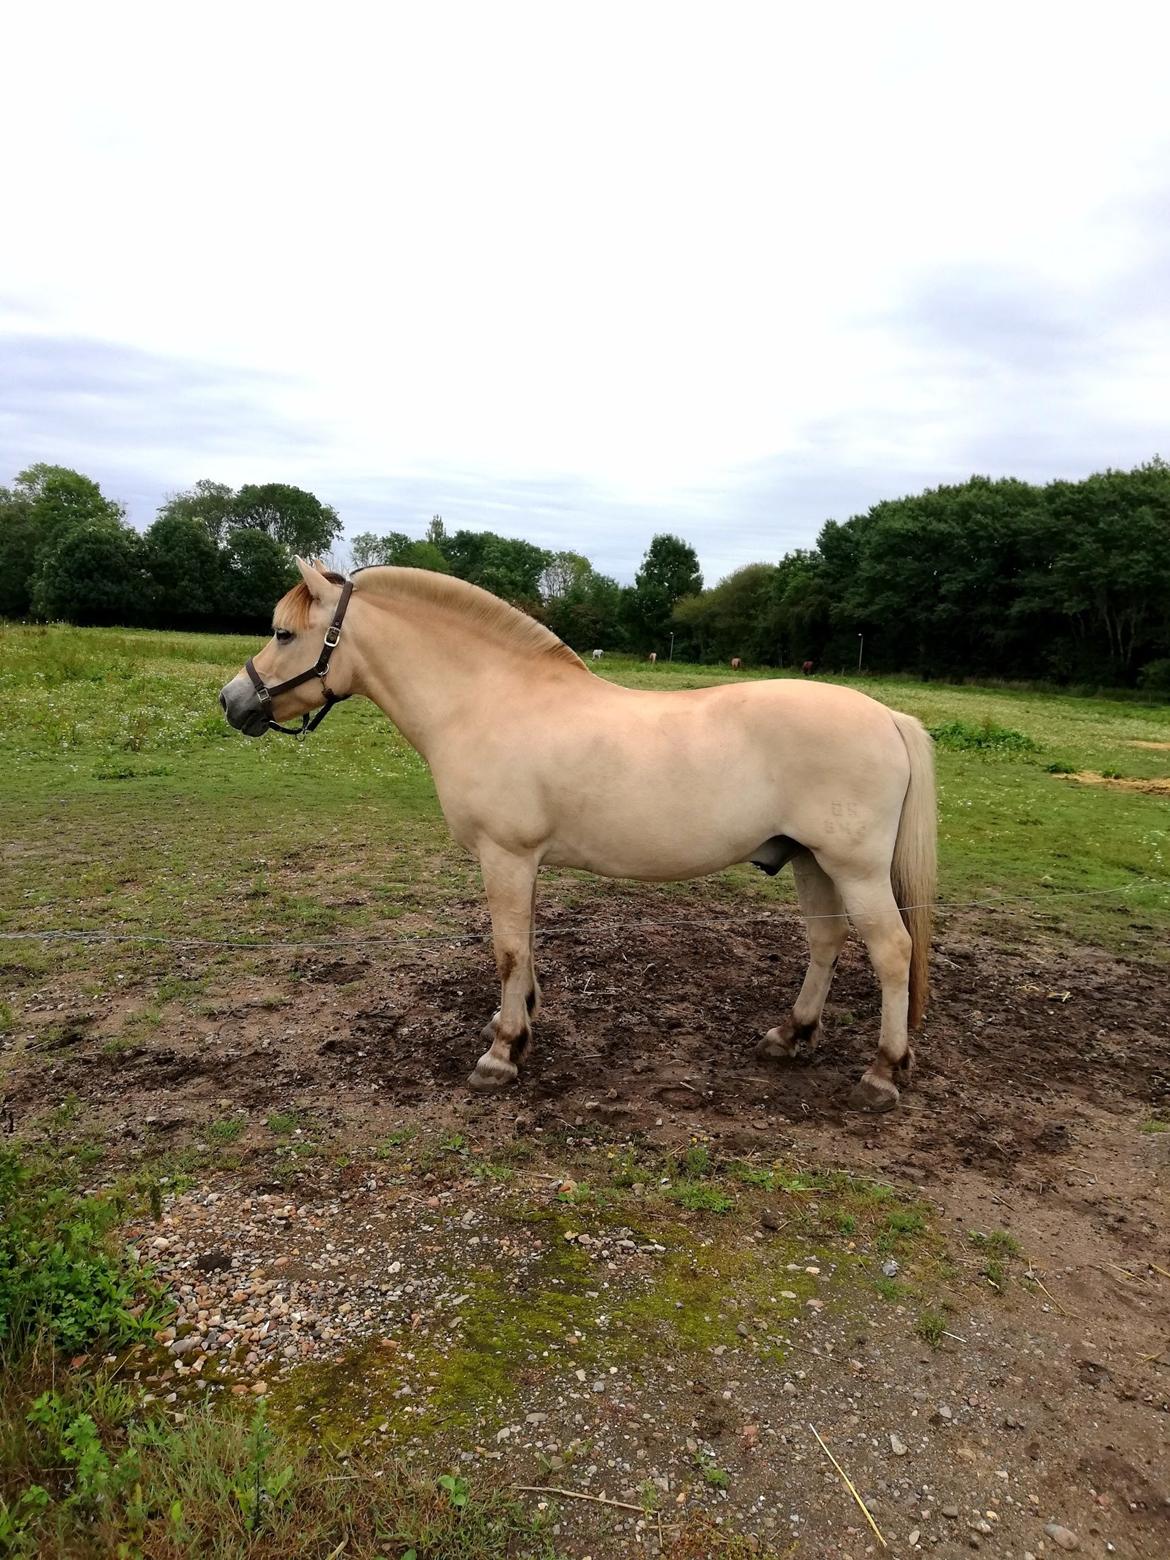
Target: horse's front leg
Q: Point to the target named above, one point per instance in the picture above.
(510, 882)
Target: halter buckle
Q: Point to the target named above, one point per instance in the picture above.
(332, 635)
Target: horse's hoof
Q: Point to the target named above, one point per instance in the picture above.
(778, 1045)
(781, 1044)
(492, 1073)
(874, 1094)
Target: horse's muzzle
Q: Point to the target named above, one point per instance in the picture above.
(239, 703)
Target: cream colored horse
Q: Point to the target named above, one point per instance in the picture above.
(537, 761)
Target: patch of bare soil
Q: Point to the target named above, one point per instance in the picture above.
(1157, 785)
(1158, 747)
(1036, 1071)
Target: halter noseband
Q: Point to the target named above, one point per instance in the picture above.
(266, 694)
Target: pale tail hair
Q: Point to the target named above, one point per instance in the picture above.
(914, 869)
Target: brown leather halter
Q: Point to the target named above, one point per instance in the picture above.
(266, 694)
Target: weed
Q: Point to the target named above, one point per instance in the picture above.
(931, 1327)
(649, 1497)
(227, 1130)
(574, 1192)
(718, 1478)
(60, 1275)
(700, 1198)
(392, 1142)
(696, 1162)
(905, 1221)
(456, 1489)
(283, 1123)
(988, 737)
(997, 1243)
(625, 1172)
(1155, 1124)
(264, 1489)
(890, 1289)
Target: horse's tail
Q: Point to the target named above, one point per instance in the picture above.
(914, 868)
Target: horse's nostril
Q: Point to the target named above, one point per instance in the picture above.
(223, 702)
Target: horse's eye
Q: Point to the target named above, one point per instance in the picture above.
(284, 636)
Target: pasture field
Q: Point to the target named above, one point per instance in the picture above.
(597, 1316)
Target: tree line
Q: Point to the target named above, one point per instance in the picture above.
(1068, 582)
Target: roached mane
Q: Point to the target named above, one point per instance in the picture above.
(495, 618)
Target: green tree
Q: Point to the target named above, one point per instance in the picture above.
(61, 498)
(18, 551)
(736, 618)
(255, 571)
(91, 574)
(588, 615)
(506, 566)
(670, 571)
(289, 515)
(398, 549)
(1101, 565)
(183, 567)
(800, 608)
(563, 573)
(43, 503)
(209, 503)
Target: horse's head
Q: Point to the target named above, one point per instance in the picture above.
(303, 667)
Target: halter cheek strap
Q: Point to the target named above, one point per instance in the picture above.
(266, 694)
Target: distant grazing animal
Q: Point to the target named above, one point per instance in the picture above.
(806, 667)
(736, 664)
(653, 657)
(537, 762)
(597, 654)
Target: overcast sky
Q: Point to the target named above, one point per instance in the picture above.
(581, 273)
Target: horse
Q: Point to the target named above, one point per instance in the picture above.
(536, 761)
(597, 655)
(736, 664)
(653, 658)
(806, 667)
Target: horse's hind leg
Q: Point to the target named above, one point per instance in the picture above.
(510, 882)
(827, 927)
(874, 912)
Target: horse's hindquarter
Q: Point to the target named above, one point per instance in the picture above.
(674, 785)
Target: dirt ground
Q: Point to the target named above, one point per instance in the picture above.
(1047, 1403)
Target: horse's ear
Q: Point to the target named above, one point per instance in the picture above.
(321, 567)
(317, 585)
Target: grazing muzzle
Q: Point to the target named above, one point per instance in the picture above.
(255, 718)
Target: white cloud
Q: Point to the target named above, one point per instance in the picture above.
(670, 264)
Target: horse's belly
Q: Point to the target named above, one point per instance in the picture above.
(663, 844)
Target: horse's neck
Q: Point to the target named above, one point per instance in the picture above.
(429, 676)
